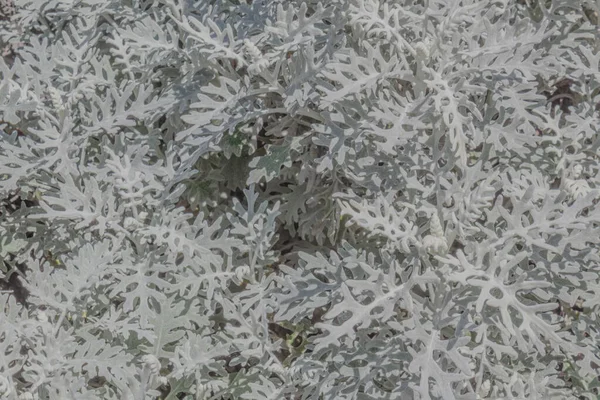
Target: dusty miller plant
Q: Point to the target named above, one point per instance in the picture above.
(255, 199)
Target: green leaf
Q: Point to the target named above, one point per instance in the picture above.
(269, 166)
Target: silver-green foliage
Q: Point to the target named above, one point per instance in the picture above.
(268, 199)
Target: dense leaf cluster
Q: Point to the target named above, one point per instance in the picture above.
(268, 199)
